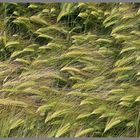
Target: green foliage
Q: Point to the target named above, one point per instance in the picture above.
(69, 70)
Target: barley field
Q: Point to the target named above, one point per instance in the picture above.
(69, 70)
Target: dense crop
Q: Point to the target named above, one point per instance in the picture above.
(69, 70)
